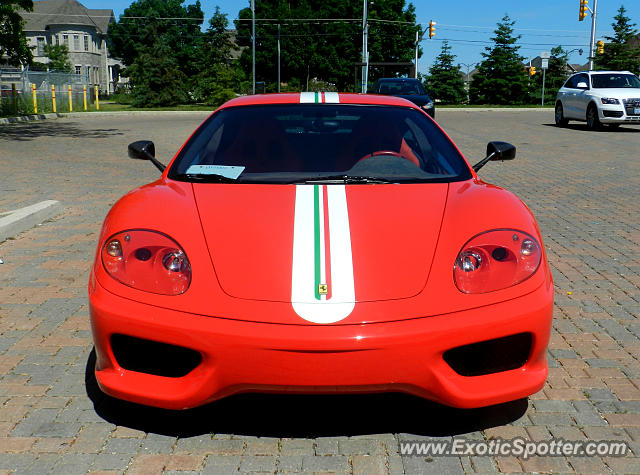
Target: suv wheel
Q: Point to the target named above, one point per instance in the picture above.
(593, 121)
(560, 120)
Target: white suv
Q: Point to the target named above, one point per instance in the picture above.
(599, 97)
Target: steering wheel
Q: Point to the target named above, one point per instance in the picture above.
(388, 153)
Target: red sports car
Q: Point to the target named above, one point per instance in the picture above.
(320, 243)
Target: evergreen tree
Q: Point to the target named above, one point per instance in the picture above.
(326, 50)
(13, 42)
(618, 54)
(219, 76)
(155, 77)
(179, 26)
(58, 58)
(500, 77)
(445, 80)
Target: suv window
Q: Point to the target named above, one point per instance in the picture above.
(583, 78)
(572, 82)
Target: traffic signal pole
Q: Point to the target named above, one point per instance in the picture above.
(365, 48)
(594, 14)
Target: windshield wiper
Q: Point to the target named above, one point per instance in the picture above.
(206, 178)
(346, 179)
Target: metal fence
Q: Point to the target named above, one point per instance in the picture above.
(44, 91)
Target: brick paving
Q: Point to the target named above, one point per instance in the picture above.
(582, 186)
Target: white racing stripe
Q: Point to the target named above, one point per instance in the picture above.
(303, 286)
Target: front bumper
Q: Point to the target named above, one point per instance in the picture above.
(617, 114)
(237, 356)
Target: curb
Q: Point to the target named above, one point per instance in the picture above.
(15, 222)
(27, 118)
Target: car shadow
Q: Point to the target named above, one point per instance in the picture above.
(306, 416)
(584, 128)
(26, 131)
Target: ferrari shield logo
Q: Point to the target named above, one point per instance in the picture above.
(323, 289)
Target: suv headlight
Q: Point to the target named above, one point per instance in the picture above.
(609, 100)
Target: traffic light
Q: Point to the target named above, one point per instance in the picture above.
(432, 29)
(582, 13)
(532, 71)
(600, 47)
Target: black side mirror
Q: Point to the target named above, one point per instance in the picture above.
(145, 150)
(497, 151)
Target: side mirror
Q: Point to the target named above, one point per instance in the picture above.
(497, 151)
(501, 151)
(582, 85)
(144, 150)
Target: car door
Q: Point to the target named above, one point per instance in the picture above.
(567, 96)
(582, 96)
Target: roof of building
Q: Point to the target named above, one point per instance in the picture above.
(65, 12)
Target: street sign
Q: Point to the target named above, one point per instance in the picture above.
(545, 55)
(545, 64)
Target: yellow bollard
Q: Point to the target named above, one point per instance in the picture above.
(35, 98)
(84, 96)
(97, 99)
(53, 98)
(70, 100)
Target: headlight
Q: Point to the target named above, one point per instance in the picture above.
(428, 105)
(496, 260)
(609, 100)
(147, 260)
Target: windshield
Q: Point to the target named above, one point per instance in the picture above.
(405, 88)
(295, 143)
(614, 81)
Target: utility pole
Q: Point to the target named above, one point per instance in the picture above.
(365, 47)
(415, 73)
(594, 14)
(253, 41)
(278, 57)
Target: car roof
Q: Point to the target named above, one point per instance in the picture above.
(322, 98)
(602, 72)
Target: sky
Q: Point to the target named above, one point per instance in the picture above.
(469, 24)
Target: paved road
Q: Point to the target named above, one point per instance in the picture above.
(582, 186)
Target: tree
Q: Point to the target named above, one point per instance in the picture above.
(178, 25)
(555, 76)
(13, 42)
(445, 80)
(219, 76)
(155, 77)
(323, 50)
(618, 54)
(58, 58)
(500, 77)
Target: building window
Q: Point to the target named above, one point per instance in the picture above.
(40, 41)
(57, 40)
(78, 70)
(76, 43)
(86, 43)
(65, 40)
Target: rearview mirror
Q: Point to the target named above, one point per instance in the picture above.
(501, 151)
(582, 85)
(144, 150)
(497, 151)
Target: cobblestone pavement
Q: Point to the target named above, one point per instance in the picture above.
(582, 186)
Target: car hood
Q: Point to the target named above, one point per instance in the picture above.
(321, 243)
(618, 93)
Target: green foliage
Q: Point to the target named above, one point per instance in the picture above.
(155, 77)
(618, 54)
(554, 78)
(445, 79)
(324, 50)
(218, 76)
(130, 36)
(58, 58)
(13, 42)
(500, 77)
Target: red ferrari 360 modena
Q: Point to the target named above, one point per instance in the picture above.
(320, 243)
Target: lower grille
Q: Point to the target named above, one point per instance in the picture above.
(491, 356)
(631, 105)
(612, 113)
(151, 357)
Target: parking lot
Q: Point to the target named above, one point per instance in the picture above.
(582, 186)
